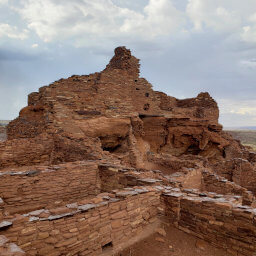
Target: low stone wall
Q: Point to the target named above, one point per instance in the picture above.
(118, 177)
(35, 188)
(214, 183)
(238, 170)
(186, 178)
(218, 220)
(87, 227)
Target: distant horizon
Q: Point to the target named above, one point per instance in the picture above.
(245, 128)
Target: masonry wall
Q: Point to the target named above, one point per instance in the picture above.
(85, 229)
(26, 152)
(117, 177)
(187, 178)
(214, 183)
(238, 170)
(39, 187)
(220, 221)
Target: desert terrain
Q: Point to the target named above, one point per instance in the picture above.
(247, 137)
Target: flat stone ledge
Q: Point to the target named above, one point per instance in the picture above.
(5, 224)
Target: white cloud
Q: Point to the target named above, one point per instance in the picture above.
(89, 21)
(86, 22)
(243, 107)
(249, 34)
(34, 45)
(237, 113)
(244, 111)
(3, 2)
(218, 15)
(233, 17)
(160, 17)
(248, 63)
(13, 32)
(249, 31)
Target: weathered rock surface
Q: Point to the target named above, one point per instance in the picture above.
(114, 114)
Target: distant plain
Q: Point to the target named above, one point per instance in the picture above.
(247, 137)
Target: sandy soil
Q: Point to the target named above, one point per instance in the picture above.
(175, 243)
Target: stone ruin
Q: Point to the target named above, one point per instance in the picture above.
(96, 162)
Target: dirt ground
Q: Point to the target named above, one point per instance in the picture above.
(174, 243)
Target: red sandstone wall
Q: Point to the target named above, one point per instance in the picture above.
(47, 149)
(214, 183)
(114, 177)
(218, 220)
(85, 229)
(238, 170)
(40, 187)
(25, 152)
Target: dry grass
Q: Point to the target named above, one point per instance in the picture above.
(251, 146)
(247, 137)
(4, 122)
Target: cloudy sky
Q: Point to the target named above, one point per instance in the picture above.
(185, 47)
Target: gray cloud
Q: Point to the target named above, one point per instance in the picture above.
(15, 55)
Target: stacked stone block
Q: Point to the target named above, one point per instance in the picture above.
(38, 187)
(219, 220)
(214, 183)
(88, 226)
